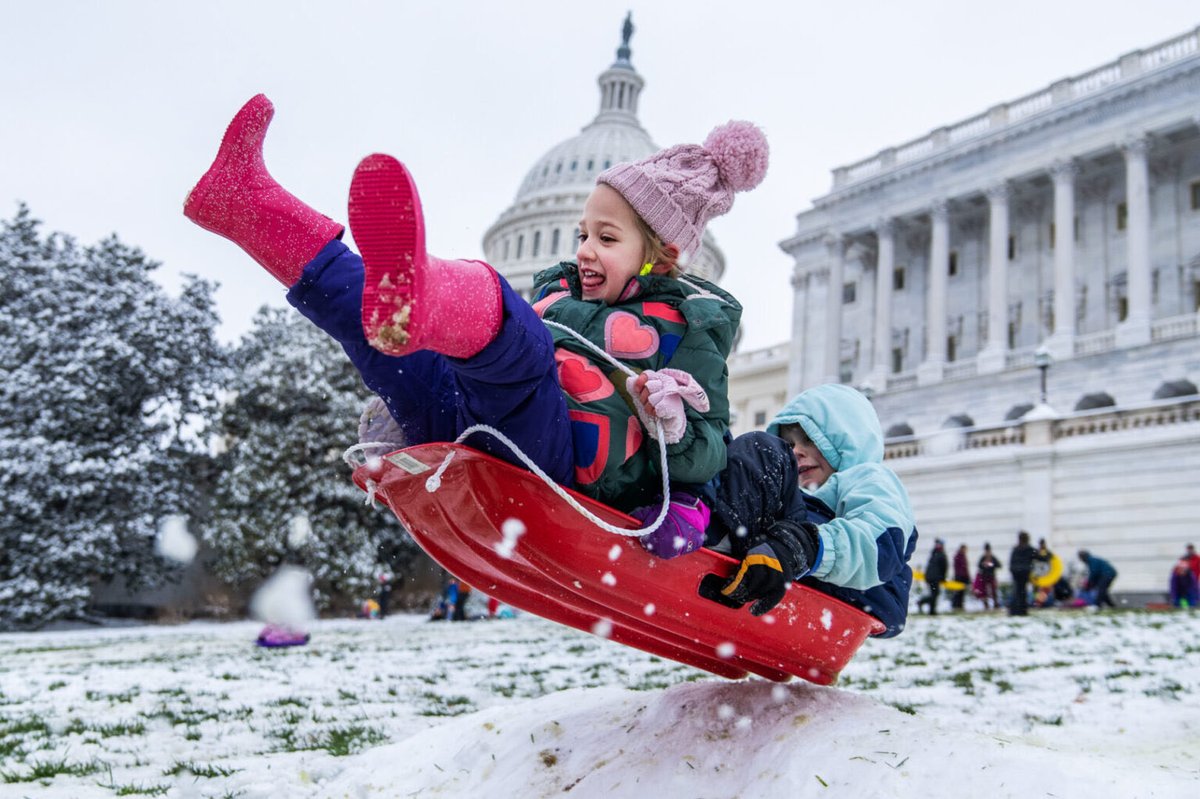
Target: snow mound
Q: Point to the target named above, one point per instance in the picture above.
(718, 739)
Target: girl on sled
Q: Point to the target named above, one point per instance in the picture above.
(448, 344)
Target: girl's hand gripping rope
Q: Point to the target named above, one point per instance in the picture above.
(660, 394)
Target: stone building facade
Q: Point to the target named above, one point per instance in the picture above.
(1063, 226)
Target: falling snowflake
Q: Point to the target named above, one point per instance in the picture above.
(608, 579)
(511, 530)
(285, 598)
(615, 552)
(725, 650)
(602, 628)
(649, 609)
(299, 531)
(174, 542)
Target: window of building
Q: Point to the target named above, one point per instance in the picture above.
(506, 243)
(1075, 226)
(849, 292)
(760, 418)
(520, 245)
(897, 360)
(1196, 295)
(591, 164)
(952, 266)
(558, 168)
(1122, 308)
(898, 279)
(951, 348)
(554, 236)
(574, 165)
(1122, 216)
(537, 243)
(1012, 248)
(1052, 235)
(1012, 335)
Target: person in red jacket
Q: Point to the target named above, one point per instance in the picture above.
(1193, 560)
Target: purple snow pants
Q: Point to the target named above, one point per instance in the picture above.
(511, 384)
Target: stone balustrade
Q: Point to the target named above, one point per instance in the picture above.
(1069, 90)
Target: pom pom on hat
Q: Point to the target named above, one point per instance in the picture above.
(740, 151)
(677, 190)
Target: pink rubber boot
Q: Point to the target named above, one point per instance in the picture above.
(411, 300)
(238, 199)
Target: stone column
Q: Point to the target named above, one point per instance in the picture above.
(933, 367)
(1135, 329)
(885, 267)
(992, 358)
(836, 248)
(1062, 342)
(799, 344)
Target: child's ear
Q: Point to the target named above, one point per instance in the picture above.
(668, 261)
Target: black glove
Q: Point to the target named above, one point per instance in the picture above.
(767, 569)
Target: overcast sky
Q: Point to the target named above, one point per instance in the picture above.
(110, 111)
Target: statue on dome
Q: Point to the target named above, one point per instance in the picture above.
(626, 33)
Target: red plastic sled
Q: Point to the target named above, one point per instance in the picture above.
(565, 569)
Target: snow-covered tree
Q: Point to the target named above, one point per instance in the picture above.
(104, 381)
(284, 495)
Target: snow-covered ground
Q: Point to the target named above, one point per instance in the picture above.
(1062, 704)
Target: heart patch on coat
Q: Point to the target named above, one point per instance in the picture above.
(580, 378)
(626, 337)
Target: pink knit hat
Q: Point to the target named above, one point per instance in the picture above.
(677, 190)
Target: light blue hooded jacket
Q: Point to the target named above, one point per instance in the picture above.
(872, 535)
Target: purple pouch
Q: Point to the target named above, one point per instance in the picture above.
(681, 532)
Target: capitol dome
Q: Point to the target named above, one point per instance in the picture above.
(539, 229)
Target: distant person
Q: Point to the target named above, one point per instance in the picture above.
(985, 578)
(1193, 560)
(1020, 565)
(1185, 588)
(935, 572)
(962, 574)
(385, 593)
(1100, 578)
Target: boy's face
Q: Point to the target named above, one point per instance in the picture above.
(611, 246)
(814, 469)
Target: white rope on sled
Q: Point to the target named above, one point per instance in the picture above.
(435, 481)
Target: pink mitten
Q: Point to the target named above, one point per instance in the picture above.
(669, 389)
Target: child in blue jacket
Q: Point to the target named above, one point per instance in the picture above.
(850, 531)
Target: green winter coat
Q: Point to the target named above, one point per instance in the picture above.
(686, 324)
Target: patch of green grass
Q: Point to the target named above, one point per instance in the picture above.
(1052, 721)
(438, 705)
(134, 789)
(54, 686)
(905, 708)
(199, 770)
(343, 741)
(31, 725)
(1169, 689)
(124, 696)
(49, 769)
